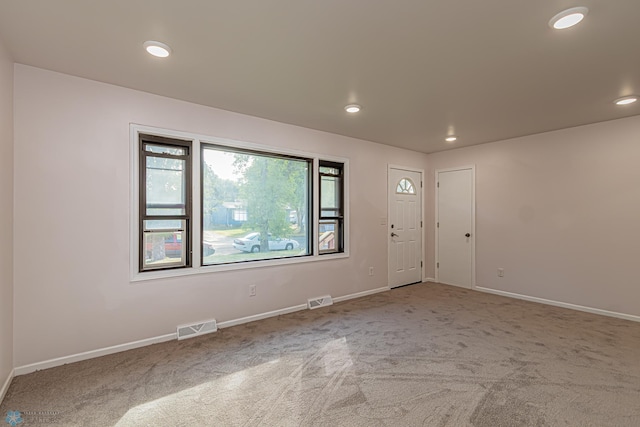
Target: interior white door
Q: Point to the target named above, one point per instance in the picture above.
(405, 227)
(455, 227)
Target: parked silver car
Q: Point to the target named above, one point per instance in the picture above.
(251, 243)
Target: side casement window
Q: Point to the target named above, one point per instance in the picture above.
(331, 226)
(165, 203)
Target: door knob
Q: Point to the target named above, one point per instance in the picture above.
(394, 235)
(467, 235)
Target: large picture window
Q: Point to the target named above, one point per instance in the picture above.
(203, 204)
(255, 206)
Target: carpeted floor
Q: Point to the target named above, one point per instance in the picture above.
(423, 355)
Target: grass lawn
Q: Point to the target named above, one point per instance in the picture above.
(232, 232)
(248, 256)
(241, 232)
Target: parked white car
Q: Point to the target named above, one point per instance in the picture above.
(251, 243)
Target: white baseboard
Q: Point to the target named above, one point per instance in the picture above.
(59, 361)
(240, 321)
(599, 311)
(360, 294)
(429, 279)
(5, 386)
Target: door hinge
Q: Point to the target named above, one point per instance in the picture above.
(438, 265)
(420, 264)
(438, 224)
(420, 184)
(420, 224)
(438, 184)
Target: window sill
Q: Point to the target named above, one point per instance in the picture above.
(210, 269)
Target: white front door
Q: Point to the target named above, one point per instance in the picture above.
(405, 226)
(455, 227)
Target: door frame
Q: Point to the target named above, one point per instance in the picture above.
(473, 219)
(386, 221)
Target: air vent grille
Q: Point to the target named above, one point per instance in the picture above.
(196, 329)
(319, 302)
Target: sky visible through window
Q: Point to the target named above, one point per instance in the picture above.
(221, 163)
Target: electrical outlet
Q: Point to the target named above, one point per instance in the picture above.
(370, 271)
(501, 272)
(252, 290)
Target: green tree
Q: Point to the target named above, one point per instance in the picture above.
(297, 176)
(268, 187)
(216, 191)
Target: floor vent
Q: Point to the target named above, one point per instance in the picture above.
(319, 302)
(193, 330)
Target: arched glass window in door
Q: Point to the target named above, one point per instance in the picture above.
(405, 186)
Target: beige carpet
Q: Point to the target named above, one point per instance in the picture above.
(423, 355)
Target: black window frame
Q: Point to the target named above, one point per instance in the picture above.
(187, 259)
(338, 217)
(144, 140)
(310, 185)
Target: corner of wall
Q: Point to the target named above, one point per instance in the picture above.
(5, 386)
(6, 219)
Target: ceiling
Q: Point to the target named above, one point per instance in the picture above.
(421, 69)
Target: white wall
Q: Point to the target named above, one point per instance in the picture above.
(72, 289)
(559, 212)
(6, 215)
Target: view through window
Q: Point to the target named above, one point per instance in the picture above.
(255, 206)
(164, 203)
(330, 229)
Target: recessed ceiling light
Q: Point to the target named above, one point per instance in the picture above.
(158, 49)
(451, 138)
(352, 108)
(568, 18)
(626, 100)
